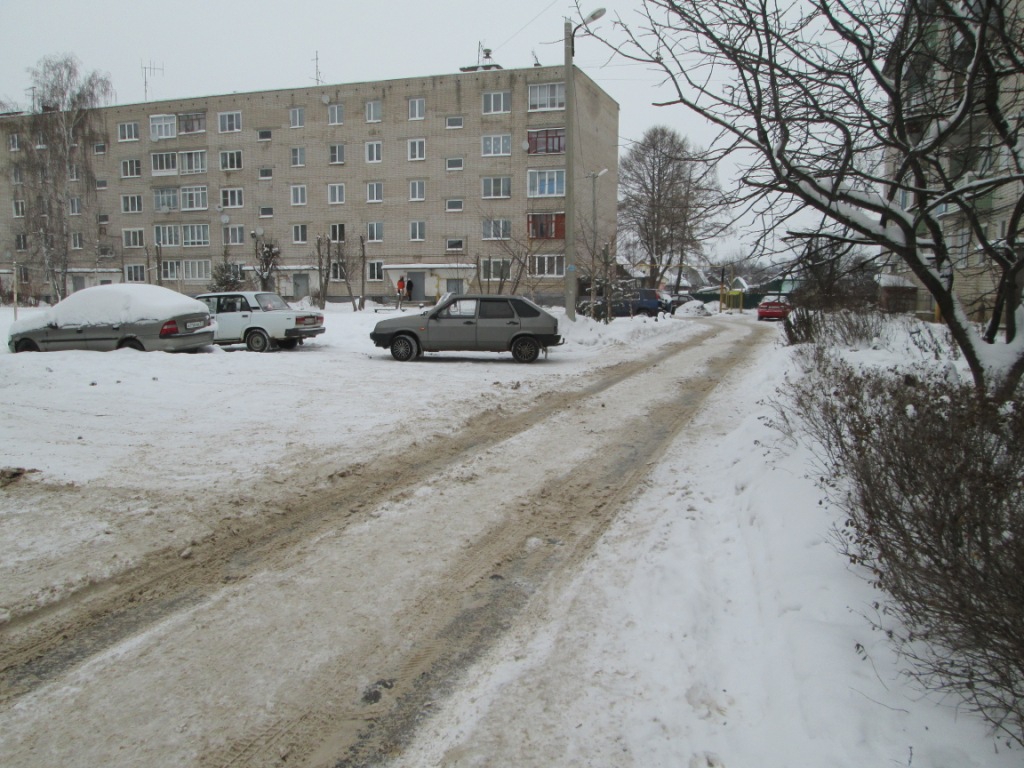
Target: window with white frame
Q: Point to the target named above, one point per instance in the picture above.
(131, 203)
(266, 174)
(299, 233)
(417, 108)
(297, 117)
(374, 151)
(231, 197)
(337, 154)
(127, 131)
(165, 199)
(131, 169)
(264, 134)
(298, 157)
(234, 234)
(21, 242)
(417, 149)
(375, 232)
(193, 198)
(77, 241)
(417, 230)
(492, 146)
(496, 269)
(99, 148)
(497, 229)
(374, 111)
(192, 122)
(162, 126)
(496, 102)
(74, 206)
(496, 187)
(229, 122)
(195, 235)
(375, 192)
(13, 142)
(453, 164)
(74, 172)
(132, 238)
(337, 233)
(417, 190)
(337, 270)
(454, 121)
(196, 269)
(135, 273)
(336, 194)
(454, 244)
(167, 235)
(192, 162)
(545, 183)
(375, 271)
(266, 211)
(298, 193)
(17, 175)
(231, 160)
(453, 205)
(170, 270)
(101, 183)
(164, 163)
(335, 114)
(549, 265)
(547, 96)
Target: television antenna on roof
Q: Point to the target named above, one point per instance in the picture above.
(147, 71)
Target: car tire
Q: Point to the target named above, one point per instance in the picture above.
(132, 344)
(288, 343)
(404, 348)
(525, 349)
(257, 341)
(26, 345)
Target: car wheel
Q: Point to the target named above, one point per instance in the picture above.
(404, 348)
(257, 341)
(26, 345)
(525, 349)
(132, 344)
(288, 343)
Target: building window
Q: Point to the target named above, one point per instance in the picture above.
(418, 230)
(375, 271)
(102, 218)
(266, 211)
(337, 156)
(497, 229)
(132, 238)
(297, 117)
(264, 134)
(21, 242)
(417, 108)
(497, 102)
(164, 163)
(375, 192)
(101, 183)
(196, 269)
(192, 122)
(162, 126)
(192, 162)
(131, 169)
(545, 183)
(298, 192)
(127, 131)
(417, 149)
(13, 142)
(74, 206)
(549, 265)
(497, 187)
(550, 141)
(77, 241)
(298, 157)
(193, 199)
(337, 233)
(99, 149)
(453, 164)
(374, 151)
(231, 197)
(195, 235)
(335, 114)
(545, 226)
(234, 234)
(454, 244)
(299, 233)
(74, 173)
(454, 121)
(231, 160)
(417, 190)
(170, 270)
(167, 235)
(17, 175)
(336, 194)
(338, 271)
(453, 205)
(496, 269)
(135, 273)
(547, 96)
(266, 174)
(375, 232)
(165, 199)
(229, 122)
(497, 145)
(374, 111)
(131, 203)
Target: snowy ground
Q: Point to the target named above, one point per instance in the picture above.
(712, 625)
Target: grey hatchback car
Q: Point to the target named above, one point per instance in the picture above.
(476, 322)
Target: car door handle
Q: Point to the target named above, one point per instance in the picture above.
(512, 322)
(468, 322)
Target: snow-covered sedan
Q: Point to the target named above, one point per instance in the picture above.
(120, 316)
(260, 319)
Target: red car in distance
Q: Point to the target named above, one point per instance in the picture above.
(774, 308)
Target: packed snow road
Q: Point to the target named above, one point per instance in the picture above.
(324, 630)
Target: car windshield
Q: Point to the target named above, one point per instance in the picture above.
(271, 301)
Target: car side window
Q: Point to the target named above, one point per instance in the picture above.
(462, 308)
(496, 309)
(230, 304)
(523, 309)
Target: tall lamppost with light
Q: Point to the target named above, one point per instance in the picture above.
(594, 176)
(570, 150)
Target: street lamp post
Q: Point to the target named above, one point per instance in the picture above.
(570, 162)
(594, 176)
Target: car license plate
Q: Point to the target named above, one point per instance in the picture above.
(194, 324)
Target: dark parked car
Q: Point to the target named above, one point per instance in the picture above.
(774, 308)
(479, 323)
(120, 316)
(645, 302)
